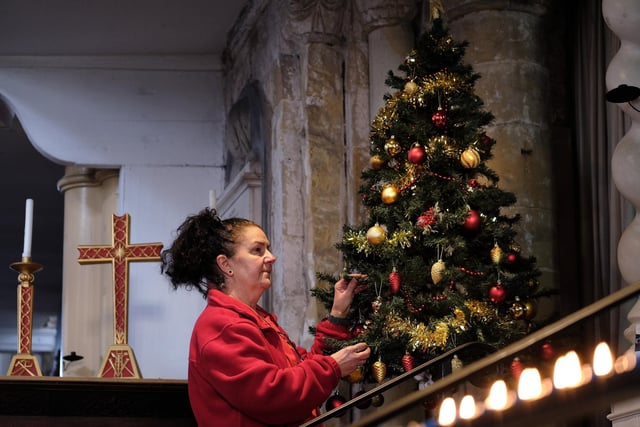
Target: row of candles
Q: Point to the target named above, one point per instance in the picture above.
(568, 372)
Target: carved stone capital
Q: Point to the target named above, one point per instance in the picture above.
(79, 176)
(455, 9)
(317, 20)
(385, 13)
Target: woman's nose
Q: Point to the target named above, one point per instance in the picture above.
(270, 258)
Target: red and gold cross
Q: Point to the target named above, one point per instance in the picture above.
(120, 361)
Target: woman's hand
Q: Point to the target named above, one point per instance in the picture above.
(350, 357)
(344, 290)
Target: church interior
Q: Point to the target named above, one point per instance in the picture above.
(120, 119)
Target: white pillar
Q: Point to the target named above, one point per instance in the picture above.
(623, 18)
(87, 308)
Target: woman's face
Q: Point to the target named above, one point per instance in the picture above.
(251, 265)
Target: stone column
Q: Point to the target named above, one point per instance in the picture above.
(87, 308)
(388, 28)
(623, 18)
(506, 48)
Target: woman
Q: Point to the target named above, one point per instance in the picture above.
(243, 369)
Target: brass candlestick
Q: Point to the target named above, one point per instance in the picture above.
(24, 363)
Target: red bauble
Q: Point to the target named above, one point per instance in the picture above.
(516, 368)
(472, 222)
(547, 351)
(365, 403)
(407, 362)
(416, 154)
(497, 294)
(357, 330)
(394, 281)
(439, 118)
(334, 402)
(512, 258)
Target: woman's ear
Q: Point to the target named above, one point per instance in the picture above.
(223, 263)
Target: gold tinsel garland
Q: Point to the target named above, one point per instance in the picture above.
(358, 239)
(436, 335)
(439, 83)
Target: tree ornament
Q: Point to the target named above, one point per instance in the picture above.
(376, 162)
(516, 368)
(376, 234)
(530, 309)
(436, 271)
(407, 362)
(394, 281)
(512, 258)
(376, 304)
(390, 195)
(358, 330)
(547, 351)
(439, 118)
(456, 363)
(335, 401)
(379, 370)
(356, 376)
(438, 267)
(417, 154)
(410, 87)
(517, 310)
(470, 158)
(392, 147)
(472, 222)
(365, 403)
(497, 294)
(377, 400)
(496, 254)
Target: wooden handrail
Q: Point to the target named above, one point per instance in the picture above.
(461, 349)
(512, 350)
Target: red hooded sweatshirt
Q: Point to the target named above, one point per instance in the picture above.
(245, 372)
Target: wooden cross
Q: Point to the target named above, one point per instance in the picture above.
(120, 361)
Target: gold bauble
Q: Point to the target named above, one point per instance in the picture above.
(379, 370)
(376, 234)
(496, 254)
(436, 271)
(530, 309)
(392, 147)
(470, 158)
(376, 162)
(389, 195)
(356, 376)
(410, 87)
(517, 310)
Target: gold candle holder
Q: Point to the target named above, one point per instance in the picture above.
(24, 363)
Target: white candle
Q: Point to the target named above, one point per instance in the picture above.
(28, 228)
(212, 199)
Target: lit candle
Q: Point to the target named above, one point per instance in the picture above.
(447, 414)
(28, 228)
(212, 199)
(529, 384)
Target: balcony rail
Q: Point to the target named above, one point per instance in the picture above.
(565, 404)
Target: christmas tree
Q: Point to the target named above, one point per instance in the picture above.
(443, 264)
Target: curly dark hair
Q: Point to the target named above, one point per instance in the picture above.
(191, 259)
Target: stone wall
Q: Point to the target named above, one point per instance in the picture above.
(321, 65)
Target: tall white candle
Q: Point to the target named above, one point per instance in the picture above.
(28, 228)
(212, 199)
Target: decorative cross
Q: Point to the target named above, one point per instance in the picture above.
(120, 361)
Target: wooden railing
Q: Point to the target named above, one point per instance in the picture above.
(597, 393)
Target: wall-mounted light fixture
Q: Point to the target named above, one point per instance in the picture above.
(624, 93)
